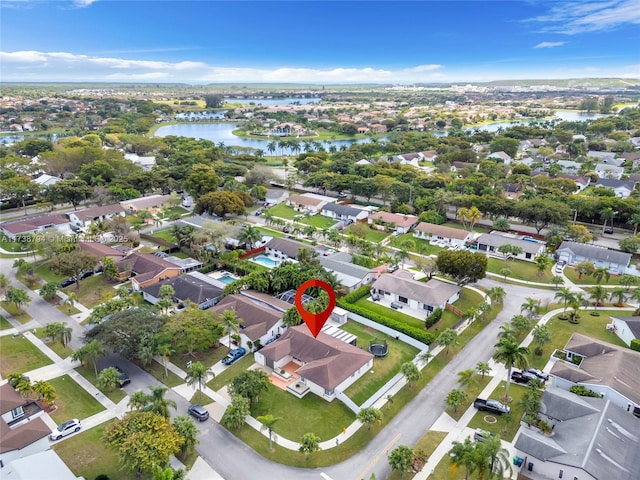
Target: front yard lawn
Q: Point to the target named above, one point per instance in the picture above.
(164, 234)
(317, 221)
(572, 274)
(425, 446)
(472, 390)
(20, 355)
(4, 323)
(383, 368)
(73, 401)
(207, 357)
(506, 425)
(115, 395)
(93, 290)
(423, 247)
(375, 236)
(519, 269)
(271, 233)
(87, 456)
(46, 274)
(390, 312)
(157, 370)
(19, 315)
(283, 210)
(301, 415)
(55, 345)
(561, 331)
(231, 371)
(468, 300)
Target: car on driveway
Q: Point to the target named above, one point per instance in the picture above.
(539, 373)
(258, 212)
(482, 435)
(198, 412)
(66, 428)
(608, 230)
(123, 379)
(491, 405)
(233, 355)
(558, 269)
(522, 377)
(67, 281)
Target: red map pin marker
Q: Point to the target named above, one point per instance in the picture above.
(315, 321)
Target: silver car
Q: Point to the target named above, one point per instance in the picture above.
(66, 428)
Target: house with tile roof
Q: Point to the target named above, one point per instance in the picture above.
(626, 328)
(422, 297)
(34, 225)
(442, 234)
(152, 203)
(84, 218)
(303, 203)
(394, 221)
(100, 250)
(591, 439)
(343, 212)
(145, 269)
(326, 365)
(608, 369)
(614, 261)
(22, 430)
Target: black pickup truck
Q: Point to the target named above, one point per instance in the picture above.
(522, 377)
(492, 406)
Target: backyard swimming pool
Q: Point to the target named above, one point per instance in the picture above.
(264, 260)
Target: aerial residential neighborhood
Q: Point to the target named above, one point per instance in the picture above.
(167, 188)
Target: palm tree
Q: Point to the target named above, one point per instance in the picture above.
(601, 273)
(483, 368)
(197, 374)
(497, 294)
(165, 351)
(249, 235)
(156, 403)
(498, 466)
(474, 215)
(541, 336)
(628, 281)
(65, 334)
(461, 214)
(268, 421)
(509, 352)
(465, 454)
(557, 280)
(466, 377)
(137, 400)
(606, 214)
(530, 305)
(620, 294)
(634, 220)
(566, 296)
(230, 323)
(598, 294)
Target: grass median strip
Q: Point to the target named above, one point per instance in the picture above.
(19, 355)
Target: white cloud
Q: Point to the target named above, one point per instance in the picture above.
(572, 18)
(61, 66)
(549, 44)
(83, 3)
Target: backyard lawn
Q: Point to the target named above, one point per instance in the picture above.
(93, 290)
(383, 368)
(375, 236)
(519, 269)
(572, 274)
(468, 300)
(87, 456)
(301, 415)
(20, 355)
(165, 234)
(317, 221)
(115, 395)
(73, 401)
(561, 331)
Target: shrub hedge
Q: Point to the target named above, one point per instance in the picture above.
(635, 345)
(358, 294)
(434, 318)
(417, 333)
(584, 391)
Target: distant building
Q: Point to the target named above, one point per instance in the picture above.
(84, 218)
(614, 261)
(490, 244)
(343, 212)
(443, 234)
(400, 222)
(33, 225)
(621, 188)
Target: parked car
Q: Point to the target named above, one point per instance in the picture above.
(123, 379)
(392, 268)
(395, 233)
(233, 355)
(608, 230)
(198, 412)
(342, 195)
(375, 297)
(558, 269)
(258, 212)
(66, 428)
(522, 377)
(539, 373)
(491, 405)
(481, 435)
(397, 305)
(85, 274)
(67, 281)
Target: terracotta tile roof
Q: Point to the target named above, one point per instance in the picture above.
(398, 219)
(442, 231)
(100, 250)
(95, 212)
(20, 436)
(256, 320)
(29, 224)
(144, 266)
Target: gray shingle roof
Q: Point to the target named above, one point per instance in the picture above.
(596, 253)
(613, 183)
(342, 209)
(433, 292)
(188, 287)
(290, 248)
(633, 323)
(496, 240)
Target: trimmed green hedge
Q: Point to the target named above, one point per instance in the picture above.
(584, 391)
(417, 333)
(635, 345)
(434, 318)
(358, 294)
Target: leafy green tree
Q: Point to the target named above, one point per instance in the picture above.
(188, 431)
(520, 324)
(268, 422)
(410, 372)
(483, 368)
(541, 336)
(601, 273)
(20, 188)
(249, 235)
(628, 281)
(447, 338)
(137, 400)
(108, 378)
(73, 264)
(89, 353)
(235, 414)
(455, 399)
(18, 297)
(156, 403)
(74, 191)
(462, 265)
(220, 203)
(511, 354)
(542, 264)
(166, 474)
(250, 384)
(466, 377)
(143, 440)
(501, 223)
(401, 459)
(542, 212)
(197, 374)
(557, 280)
(310, 443)
(201, 180)
(48, 290)
(505, 144)
(630, 244)
(368, 416)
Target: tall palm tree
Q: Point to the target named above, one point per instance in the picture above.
(620, 294)
(197, 374)
(496, 294)
(509, 352)
(496, 458)
(156, 403)
(462, 215)
(249, 235)
(566, 296)
(634, 220)
(230, 322)
(268, 421)
(601, 273)
(606, 214)
(466, 454)
(474, 215)
(530, 305)
(598, 294)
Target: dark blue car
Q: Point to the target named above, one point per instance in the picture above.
(233, 355)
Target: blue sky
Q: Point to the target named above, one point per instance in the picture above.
(320, 42)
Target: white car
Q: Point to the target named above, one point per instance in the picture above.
(66, 428)
(558, 269)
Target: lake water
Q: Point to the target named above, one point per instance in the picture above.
(560, 116)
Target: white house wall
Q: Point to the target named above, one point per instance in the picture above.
(623, 331)
(573, 259)
(36, 447)
(609, 393)
(551, 469)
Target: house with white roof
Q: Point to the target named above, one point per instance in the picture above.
(609, 171)
(343, 212)
(422, 297)
(614, 261)
(501, 157)
(45, 180)
(84, 218)
(490, 244)
(442, 234)
(349, 275)
(626, 328)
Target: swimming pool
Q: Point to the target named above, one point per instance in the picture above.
(264, 260)
(227, 278)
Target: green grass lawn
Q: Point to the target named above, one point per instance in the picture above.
(476, 228)
(283, 210)
(375, 236)
(425, 446)
(572, 274)
(561, 331)
(468, 300)
(20, 355)
(472, 390)
(93, 290)
(4, 323)
(73, 401)
(325, 419)
(422, 246)
(383, 368)
(7, 244)
(175, 211)
(68, 309)
(506, 426)
(519, 269)
(157, 370)
(272, 233)
(200, 398)
(87, 456)
(207, 357)
(390, 313)
(46, 274)
(165, 234)
(231, 371)
(115, 395)
(55, 345)
(317, 221)
(19, 315)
